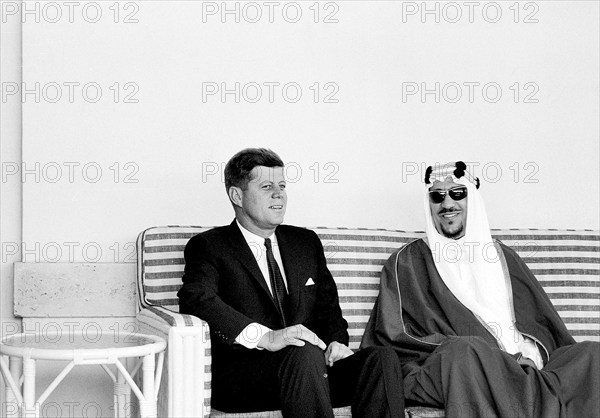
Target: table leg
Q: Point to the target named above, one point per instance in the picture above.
(122, 392)
(30, 408)
(11, 406)
(129, 407)
(148, 404)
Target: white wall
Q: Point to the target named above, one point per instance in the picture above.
(356, 162)
(10, 190)
(370, 137)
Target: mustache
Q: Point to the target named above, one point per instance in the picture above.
(443, 210)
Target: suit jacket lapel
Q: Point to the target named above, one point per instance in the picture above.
(242, 251)
(290, 256)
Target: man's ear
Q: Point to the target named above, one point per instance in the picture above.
(235, 195)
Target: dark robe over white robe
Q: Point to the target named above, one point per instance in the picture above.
(450, 360)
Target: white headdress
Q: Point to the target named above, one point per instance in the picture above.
(470, 266)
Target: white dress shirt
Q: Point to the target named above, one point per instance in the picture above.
(257, 246)
(251, 335)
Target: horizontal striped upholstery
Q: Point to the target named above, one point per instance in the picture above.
(566, 262)
(567, 265)
(160, 264)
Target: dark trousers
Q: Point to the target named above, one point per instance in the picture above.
(297, 381)
(469, 378)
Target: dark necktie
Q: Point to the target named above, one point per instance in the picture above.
(277, 284)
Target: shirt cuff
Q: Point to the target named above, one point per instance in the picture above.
(251, 335)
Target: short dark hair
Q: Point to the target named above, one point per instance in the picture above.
(237, 170)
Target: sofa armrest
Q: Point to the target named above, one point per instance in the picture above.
(186, 387)
(163, 319)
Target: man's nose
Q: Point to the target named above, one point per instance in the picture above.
(448, 202)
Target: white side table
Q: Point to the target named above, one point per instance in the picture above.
(104, 350)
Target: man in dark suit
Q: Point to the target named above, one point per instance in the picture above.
(279, 340)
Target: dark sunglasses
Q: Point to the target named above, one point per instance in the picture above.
(438, 196)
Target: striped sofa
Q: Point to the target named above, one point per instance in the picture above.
(566, 262)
